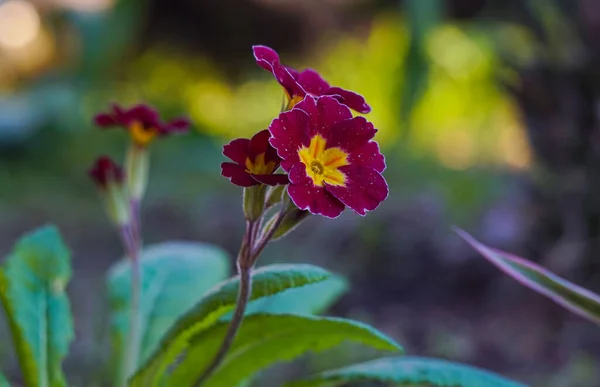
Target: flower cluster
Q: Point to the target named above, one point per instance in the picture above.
(327, 157)
(123, 190)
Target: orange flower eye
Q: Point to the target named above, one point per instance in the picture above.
(141, 134)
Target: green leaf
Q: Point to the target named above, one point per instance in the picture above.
(309, 299)
(32, 292)
(175, 275)
(409, 371)
(267, 281)
(573, 297)
(267, 339)
(3, 381)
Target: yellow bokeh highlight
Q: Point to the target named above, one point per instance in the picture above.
(462, 119)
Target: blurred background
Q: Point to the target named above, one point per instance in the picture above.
(488, 112)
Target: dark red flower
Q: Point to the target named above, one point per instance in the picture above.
(142, 122)
(298, 84)
(255, 160)
(330, 156)
(106, 171)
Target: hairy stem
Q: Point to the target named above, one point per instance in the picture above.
(244, 266)
(266, 237)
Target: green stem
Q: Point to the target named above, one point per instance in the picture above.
(132, 246)
(244, 266)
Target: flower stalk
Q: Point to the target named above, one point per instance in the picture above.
(252, 247)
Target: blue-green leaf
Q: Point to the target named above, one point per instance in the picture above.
(409, 371)
(572, 297)
(3, 381)
(267, 281)
(32, 292)
(264, 340)
(175, 275)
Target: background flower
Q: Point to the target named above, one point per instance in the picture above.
(142, 121)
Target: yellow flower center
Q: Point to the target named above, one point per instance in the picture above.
(322, 165)
(140, 134)
(291, 101)
(258, 166)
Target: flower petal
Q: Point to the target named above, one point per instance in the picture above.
(368, 156)
(312, 82)
(351, 134)
(259, 143)
(288, 134)
(144, 114)
(363, 191)
(324, 112)
(349, 98)
(237, 150)
(274, 179)
(268, 59)
(176, 125)
(307, 196)
(105, 120)
(237, 175)
(315, 199)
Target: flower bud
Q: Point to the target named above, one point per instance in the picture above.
(274, 195)
(108, 177)
(290, 221)
(254, 202)
(137, 165)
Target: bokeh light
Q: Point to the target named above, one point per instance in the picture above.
(19, 24)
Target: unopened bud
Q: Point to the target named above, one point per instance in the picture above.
(274, 195)
(137, 165)
(108, 177)
(290, 221)
(254, 202)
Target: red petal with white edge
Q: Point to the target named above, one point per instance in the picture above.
(349, 98)
(237, 150)
(324, 112)
(351, 134)
(368, 156)
(315, 199)
(312, 82)
(268, 59)
(364, 190)
(237, 175)
(307, 196)
(288, 134)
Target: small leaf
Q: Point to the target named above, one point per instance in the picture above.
(175, 276)
(32, 292)
(409, 371)
(573, 297)
(267, 339)
(266, 281)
